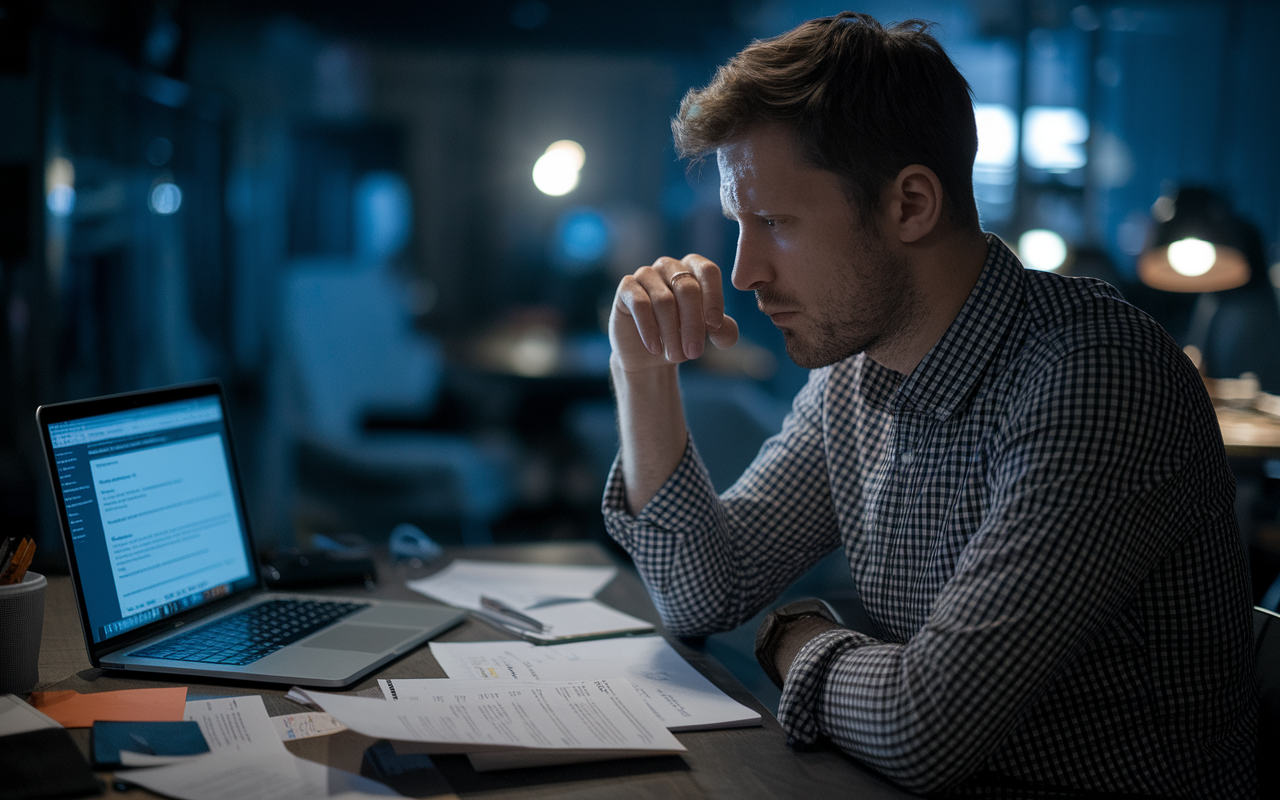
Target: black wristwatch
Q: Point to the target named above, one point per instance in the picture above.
(773, 625)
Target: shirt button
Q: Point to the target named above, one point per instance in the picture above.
(906, 456)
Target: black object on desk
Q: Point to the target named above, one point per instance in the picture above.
(316, 568)
(174, 738)
(44, 763)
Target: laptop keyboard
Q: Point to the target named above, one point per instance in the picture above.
(256, 632)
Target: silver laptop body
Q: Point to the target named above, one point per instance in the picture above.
(159, 544)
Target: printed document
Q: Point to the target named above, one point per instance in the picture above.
(519, 585)
(564, 721)
(255, 776)
(248, 762)
(679, 696)
(236, 724)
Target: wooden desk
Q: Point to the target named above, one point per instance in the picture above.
(1248, 433)
(740, 763)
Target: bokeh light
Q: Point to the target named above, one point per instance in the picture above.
(165, 199)
(1042, 249)
(556, 171)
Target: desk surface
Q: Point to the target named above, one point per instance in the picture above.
(1248, 433)
(744, 762)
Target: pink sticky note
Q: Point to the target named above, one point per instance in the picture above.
(74, 710)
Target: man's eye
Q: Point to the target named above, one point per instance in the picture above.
(772, 223)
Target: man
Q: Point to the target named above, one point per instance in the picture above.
(1024, 472)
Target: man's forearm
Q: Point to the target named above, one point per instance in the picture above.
(652, 433)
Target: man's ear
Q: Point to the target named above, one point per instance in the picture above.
(914, 203)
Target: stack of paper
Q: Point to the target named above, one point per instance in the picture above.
(248, 761)
(522, 586)
(676, 694)
(512, 724)
(537, 602)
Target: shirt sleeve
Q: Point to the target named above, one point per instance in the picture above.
(1099, 472)
(710, 563)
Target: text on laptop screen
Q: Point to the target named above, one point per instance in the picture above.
(154, 517)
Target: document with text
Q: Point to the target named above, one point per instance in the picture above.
(512, 723)
(250, 776)
(679, 696)
(247, 761)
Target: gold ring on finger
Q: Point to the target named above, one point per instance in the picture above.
(672, 280)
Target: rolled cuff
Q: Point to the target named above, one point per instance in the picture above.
(685, 503)
(797, 710)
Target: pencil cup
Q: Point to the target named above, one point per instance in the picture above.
(21, 622)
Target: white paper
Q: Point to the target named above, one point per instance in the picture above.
(248, 776)
(306, 725)
(17, 716)
(248, 761)
(677, 694)
(235, 724)
(520, 585)
(478, 715)
(572, 619)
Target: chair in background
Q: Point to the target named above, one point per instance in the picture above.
(352, 352)
(1266, 640)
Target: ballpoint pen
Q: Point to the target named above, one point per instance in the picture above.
(517, 618)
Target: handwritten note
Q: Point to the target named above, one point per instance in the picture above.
(306, 725)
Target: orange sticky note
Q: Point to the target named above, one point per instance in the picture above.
(74, 710)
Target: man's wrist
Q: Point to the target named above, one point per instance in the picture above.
(786, 631)
(796, 634)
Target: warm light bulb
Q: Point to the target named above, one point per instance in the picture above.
(1042, 249)
(1192, 257)
(556, 171)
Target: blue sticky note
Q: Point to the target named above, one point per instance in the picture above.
(153, 738)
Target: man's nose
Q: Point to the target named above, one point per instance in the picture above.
(751, 268)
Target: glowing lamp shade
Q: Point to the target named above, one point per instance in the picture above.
(1042, 249)
(1193, 265)
(1195, 246)
(556, 171)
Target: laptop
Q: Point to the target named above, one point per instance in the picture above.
(163, 563)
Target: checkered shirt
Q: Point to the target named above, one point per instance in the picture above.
(1039, 520)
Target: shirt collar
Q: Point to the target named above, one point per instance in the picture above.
(944, 378)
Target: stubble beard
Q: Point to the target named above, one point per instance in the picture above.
(855, 320)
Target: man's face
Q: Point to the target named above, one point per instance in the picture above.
(832, 286)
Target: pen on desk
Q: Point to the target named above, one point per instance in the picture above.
(517, 618)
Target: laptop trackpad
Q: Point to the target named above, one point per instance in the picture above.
(362, 638)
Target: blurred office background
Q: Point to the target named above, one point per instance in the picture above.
(392, 229)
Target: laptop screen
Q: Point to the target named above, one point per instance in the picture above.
(152, 511)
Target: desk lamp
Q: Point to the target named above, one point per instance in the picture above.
(1200, 246)
(1197, 245)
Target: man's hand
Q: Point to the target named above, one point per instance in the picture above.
(663, 313)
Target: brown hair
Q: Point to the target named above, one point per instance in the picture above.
(863, 102)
